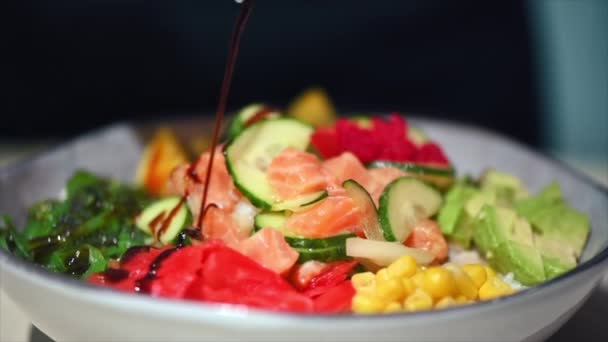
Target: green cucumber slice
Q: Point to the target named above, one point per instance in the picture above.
(403, 203)
(414, 168)
(441, 177)
(300, 203)
(327, 254)
(363, 201)
(240, 120)
(164, 219)
(275, 220)
(326, 249)
(250, 153)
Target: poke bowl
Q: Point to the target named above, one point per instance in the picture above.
(108, 297)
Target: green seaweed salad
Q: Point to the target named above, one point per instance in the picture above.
(79, 235)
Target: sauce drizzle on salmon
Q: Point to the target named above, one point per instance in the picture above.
(235, 43)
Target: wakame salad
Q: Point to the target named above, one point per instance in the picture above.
(359, 215)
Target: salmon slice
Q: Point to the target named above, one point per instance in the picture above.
(293, 172)
(269, 249)
(382, 177)
(331, 216)
(221, 224)
(426, 235)
(188, 180)
(347, 166)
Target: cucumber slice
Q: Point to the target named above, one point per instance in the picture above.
(327, 249)
(300, 203)
(164, 219)
(363, 201)
(250, 153)
(327, 254)
(414, 168)
(244, 117)
(403, 203)
(439, 176)
(383, 253)
(274, 220)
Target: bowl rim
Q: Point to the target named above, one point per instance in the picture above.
(166, 306)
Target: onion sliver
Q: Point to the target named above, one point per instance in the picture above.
(383, 253)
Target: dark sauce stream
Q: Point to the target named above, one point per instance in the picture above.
(235, 42)
(142, 285)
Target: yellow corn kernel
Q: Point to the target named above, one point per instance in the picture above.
(405, 266)
(494, 287)
(382, 276)
(364, 279)
(408, 286)
(438, 282)
(393, 307)
(419, 300)
(418, 279)
(363, 303)
(463, 300)
(369, 290)
(477, 273)
(489, 271)
(464, 283)
(445, 302)
(390, 290)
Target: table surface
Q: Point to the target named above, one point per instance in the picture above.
(589, 321)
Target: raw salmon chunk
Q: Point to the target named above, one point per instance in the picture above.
(347, 166)
(331, 216)
(269, 249)
(293, 172)
(188, 180)
(427, 235)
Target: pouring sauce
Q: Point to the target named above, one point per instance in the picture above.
(235, 42)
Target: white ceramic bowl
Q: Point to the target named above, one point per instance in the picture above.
(69, 310)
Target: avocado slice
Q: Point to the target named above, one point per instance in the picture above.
(463, 231)
(555, 266)
(492, 226)
(507, 188)
(478, 200)
(452, 210)
(552, 218)
(523, 260)
(549, 196)
(507, 242)
(522, 231)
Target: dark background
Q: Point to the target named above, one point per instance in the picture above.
(77, 64)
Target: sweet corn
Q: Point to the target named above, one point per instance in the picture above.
(393, 307)
(418, 279)
(365, 279)
(464, 283)
(477, 273)
(369, 290)
(363, 303)
(382, 276)
(438, 282)
(404, 285)
(445, 302)
(390, 290)
(494, 287)
(417, 301)
(489, 271)
(408, 286)
(463, 300)
(405, 266)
